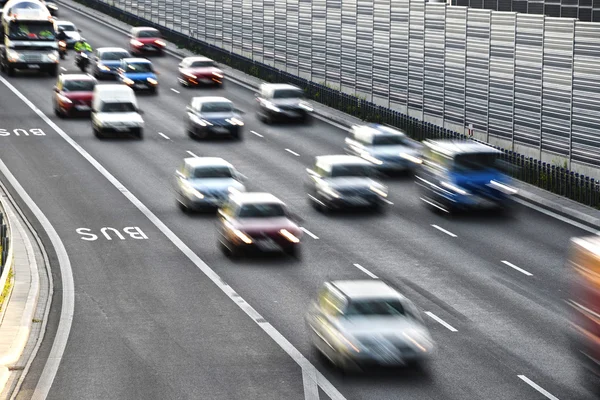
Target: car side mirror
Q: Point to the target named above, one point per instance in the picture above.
(180, 65)
(241, 177)
(56, 89)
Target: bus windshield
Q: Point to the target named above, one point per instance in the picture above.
(30, 30)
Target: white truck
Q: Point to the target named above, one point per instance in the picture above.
(29, 39)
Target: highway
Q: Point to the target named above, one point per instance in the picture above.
(149, 324)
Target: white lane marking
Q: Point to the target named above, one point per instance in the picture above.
(309, 372)
(441, 321)
(309, 233)
(443, 230)
(176, 91)
(558, 217)
(521, 270)
(366, 271)
(63, 68)
(537, 387)
(68, 287)
(257, 134)
(387, 202)
(292, 152)
(163, 135)
(192, 154)
(431, 203)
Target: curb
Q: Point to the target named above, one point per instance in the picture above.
(4, 371)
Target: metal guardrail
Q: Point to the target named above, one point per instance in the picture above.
(550, 177)
(4, 240)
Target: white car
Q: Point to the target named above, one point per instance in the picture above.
(356, 323)
(115, 110)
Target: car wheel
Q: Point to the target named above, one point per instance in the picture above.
(10, 70)
(98, 134)
(294, 252)
(139, 134)
(183, 207)
(237, 134)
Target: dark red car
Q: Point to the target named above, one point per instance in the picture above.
(144, 40)
(259, 222)
(195, 71)
(73, 94)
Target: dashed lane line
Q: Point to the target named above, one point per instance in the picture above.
(366, 271)
(163, 135)
(292, 152)
(439, 228)
(257, 134)
(521, 270)
(441, 321)
(192, 154)
(309, 233)
(537, 387)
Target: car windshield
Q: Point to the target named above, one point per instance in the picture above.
(476, 162)
(139, 67)
(72, 85)
(351, 170)
(261, 211)
(375, 308)
(288, 94)
(202, 64)
(150, 33)
(114, 55)
(31, 30)
(68, 28)
(118, 107)
(384, 140)
(216, 107)
(213, 172)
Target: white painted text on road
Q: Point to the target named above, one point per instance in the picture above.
(22, 132)
(133, 232)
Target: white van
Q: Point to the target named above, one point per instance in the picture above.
(115, 110)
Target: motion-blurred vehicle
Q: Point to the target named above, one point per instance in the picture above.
(343, 181)
(73, 94)
(83, 59)
(213, 116)
(389, 149)
(358, 323)
(138, 74)
(107, 60)
(194, 71)
(52, 7)
(463, 175)
(259, 222)
(62, 49)
(206, 182)
(282, 102)
(73, 34)
(146, 40)
(115, 110)
(584, 263)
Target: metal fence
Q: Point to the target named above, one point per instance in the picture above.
(4, 241)
(422, 67)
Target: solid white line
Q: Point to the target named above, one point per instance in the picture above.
(309, 371)
(537, 387)
(517, 268)
(441, 321)
(292, 152)
(558, 217)
(176, 91)
(309, 233)
(163, 135)
(443, 230)
(388, 202)
(257, 134)
(192, 154)
(366, 271)
(63, 68)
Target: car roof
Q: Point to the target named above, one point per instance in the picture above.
(210, 99)
(452, 147)
(255, 198)
(106, 49)
(197, 58)
(143, 28)
(87, 77)
(64, 22)
(195, 162)
(276, 86)
(136, 60)
(366, 289)
(378, 129)
(341, 159)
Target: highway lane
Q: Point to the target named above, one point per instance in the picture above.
(393, 246)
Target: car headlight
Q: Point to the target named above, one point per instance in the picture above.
(455, 188)
(413, 159)
(160, 43)
(419, 342)
(330, 191)
(379, 190)
(241, 235)
(272, 106)
(218, 75)
(305, 106)
(136, 43)
(190, 75)
(371, 159)
(152, 81)
(289, 236)
(103, 67)
(200, 121)
(53, 56)
(127, 81)
(64, 99)
(13, 56)
(235, 121)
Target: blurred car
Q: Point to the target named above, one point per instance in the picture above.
(213, 116)
(279, 102)
(52, 8)
(146, 40)
(260, 222)
(342, 181)
(107, 61)
(206, 182)
(463, 175)
(194, 71)
(389, 149)
(115, 111)
(73, 93)
(73, 34)
(138, 74)
(357, 323)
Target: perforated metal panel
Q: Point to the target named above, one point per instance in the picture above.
(455, 67)
(416, 55)
(435, 38)
(334, 43)
(478, 60)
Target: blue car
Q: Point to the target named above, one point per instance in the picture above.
(107, 61)
(463, 175)
(138, 74)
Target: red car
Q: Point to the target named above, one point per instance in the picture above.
(73, 94)
(257, 221)
(195, 71)
(146, 40)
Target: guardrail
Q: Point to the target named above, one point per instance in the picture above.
(4, 241)
(553, 178)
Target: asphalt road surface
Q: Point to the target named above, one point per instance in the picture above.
(149, 324)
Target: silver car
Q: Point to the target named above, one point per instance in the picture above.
(358, 323)
(206, 182)
(389, 149)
